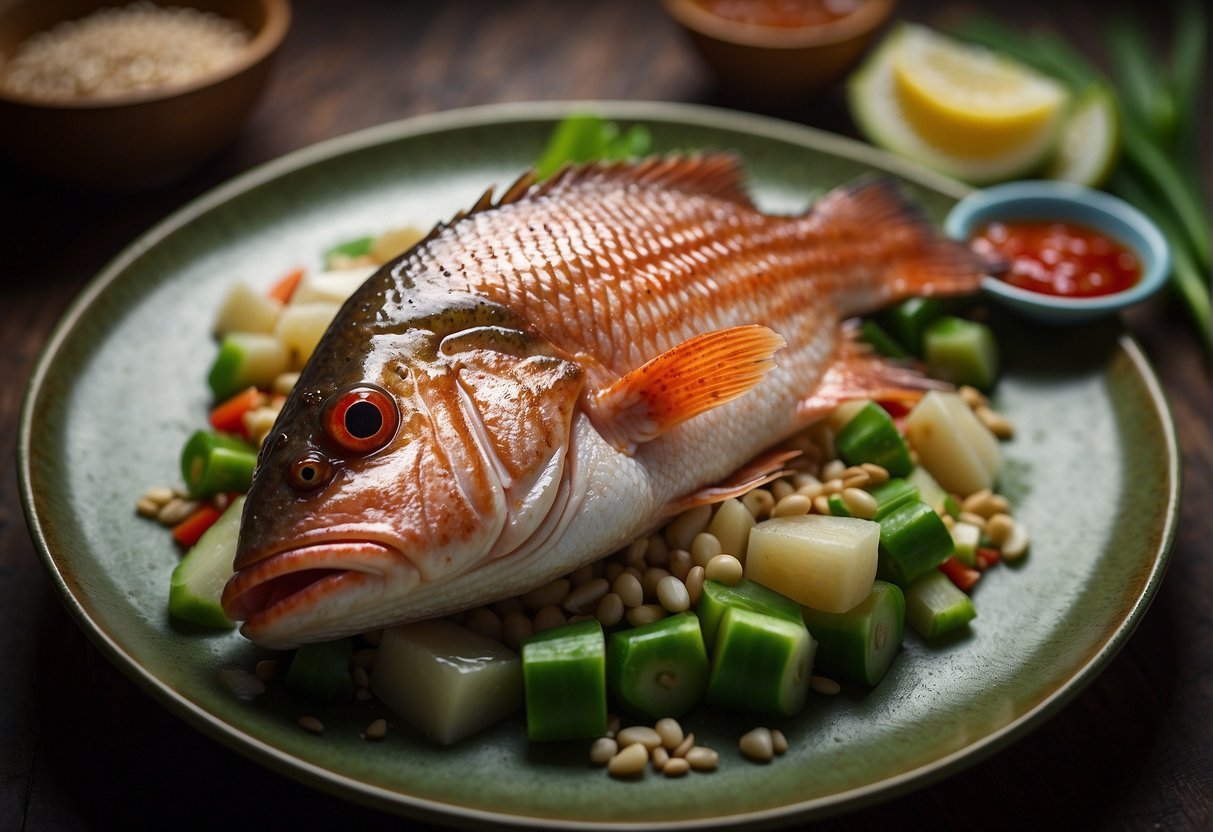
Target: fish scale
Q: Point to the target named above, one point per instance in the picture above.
(565, 368)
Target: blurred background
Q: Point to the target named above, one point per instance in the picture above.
(87, 749)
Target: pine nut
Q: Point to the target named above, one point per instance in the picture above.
(660, 757)
(377, 730)
(549, 618)
(759, 503)
(627, 587)
(673, 595)
(670, 732)
(515, 627)
(241, 683)
(976, 499)
(688, 742)
(803, 478)
(1017, 544)
(362, 679)
(833, 470)
(995, 422)
(971, 396)
(582, 575)
(702, 759)
(548, 595)
(612, 725)
(266, 669)
(813, 490)
(643, 734)
(657, 552)
(972, 519)
(586, 597)
(603, 749)
(176, 510)
(779, 743)
(613, 570)
(629, 762)
(821, 504)
(780, 489)
(675, 767)
(158, 494)
(682, 530)
(757, 745)
(645, 614)
(999, 529)
(649, 580)
(860, 503)
(823, 685)
(311, 724)
(695, 580)
(147, 508)
(680, 563)
(703, 548)
(484, 621)
(636, 553)
(508, 605)
(724, 568)
(577, 619)
(792, 505)
(832, 487)
(609, 611)
(876, 473)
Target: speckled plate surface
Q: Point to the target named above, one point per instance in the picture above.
(1094, 437)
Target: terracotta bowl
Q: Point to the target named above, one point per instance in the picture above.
(775, 64)
(141, 139)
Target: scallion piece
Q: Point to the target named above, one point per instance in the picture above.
(659, 669)
(935, 606)
(871, 436)
(212, 463)
(913, 541)
(564, 676)
(859, 645)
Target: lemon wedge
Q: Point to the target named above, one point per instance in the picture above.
(961, 109)
(1089, 144)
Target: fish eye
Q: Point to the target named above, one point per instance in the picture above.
(310, 471)
(361, 419)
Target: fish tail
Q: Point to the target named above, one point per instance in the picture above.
(920, 260)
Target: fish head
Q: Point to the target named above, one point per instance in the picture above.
(391, 476)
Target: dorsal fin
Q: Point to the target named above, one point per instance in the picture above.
(715, 174)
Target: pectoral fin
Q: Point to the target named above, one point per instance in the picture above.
(699, 374)
(766, 468)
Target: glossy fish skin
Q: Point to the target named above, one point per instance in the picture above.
(567, 367)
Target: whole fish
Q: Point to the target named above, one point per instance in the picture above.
(548, 376)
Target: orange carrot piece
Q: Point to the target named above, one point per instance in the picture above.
(286, 285)
(228, 416)
(192, 527)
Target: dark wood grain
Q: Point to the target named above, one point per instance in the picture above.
(82, 748)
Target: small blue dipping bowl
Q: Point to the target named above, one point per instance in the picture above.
(1046, 200)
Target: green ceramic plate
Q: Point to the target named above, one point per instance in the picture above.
(1092, 471)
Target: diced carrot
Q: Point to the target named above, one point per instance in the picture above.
(986, 557)
(228, 416)
(959, 574)
(286, 285)
(192, 527)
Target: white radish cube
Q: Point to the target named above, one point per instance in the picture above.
(827, 563)
(447, 681)
(301, 326)
(731, 526)
(245, 310)
(951, 443)
(332, 286)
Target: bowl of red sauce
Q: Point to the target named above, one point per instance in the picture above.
(1071, 253)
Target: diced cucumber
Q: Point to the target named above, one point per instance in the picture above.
(245, 310)
(958, 450)
(213, 462)
(874, 334)
(892, 495)
(198, 580)
(908, 320)
(350, 249)
(871, 436)
(827, 563)
(731, 525)
(564, 675)
(929, 491)
(961, 351)
(332, 286)
(717, 598)
(761, 663)
(446, 680)
(965, 539)
(246, 359)
(322, 671)
(837, 507)
(301, 326)
(913, 541)
(659, 669)
(859, 645)
(935, 606)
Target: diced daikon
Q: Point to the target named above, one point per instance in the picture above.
(827, 563)
(951, 443)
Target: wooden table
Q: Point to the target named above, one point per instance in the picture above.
(82, 748)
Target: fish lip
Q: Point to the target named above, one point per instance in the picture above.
(284, 581)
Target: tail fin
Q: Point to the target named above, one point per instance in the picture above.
(921, 260)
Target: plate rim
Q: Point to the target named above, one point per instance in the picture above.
(396, 802)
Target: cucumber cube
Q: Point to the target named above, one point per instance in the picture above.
(246, 359)
(447, 681)
(717, 598)
(871, 436)
(198, 580)
(913, 541)
(960, 351)
(322, 671)
(860, 644)
(564, 677)
(892, 495)
(659, 669)
(935, 606)
(761, 663)
(908, 320)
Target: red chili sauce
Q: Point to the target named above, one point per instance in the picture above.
(789, 14)
(1059, 258)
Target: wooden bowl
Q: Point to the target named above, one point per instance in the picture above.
(141, 139)
(779, 65)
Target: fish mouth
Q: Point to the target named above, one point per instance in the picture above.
(313, 581)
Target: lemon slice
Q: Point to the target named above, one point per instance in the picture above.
(1089, 144)
(963, 110)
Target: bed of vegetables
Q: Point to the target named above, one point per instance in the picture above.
(886, 518)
